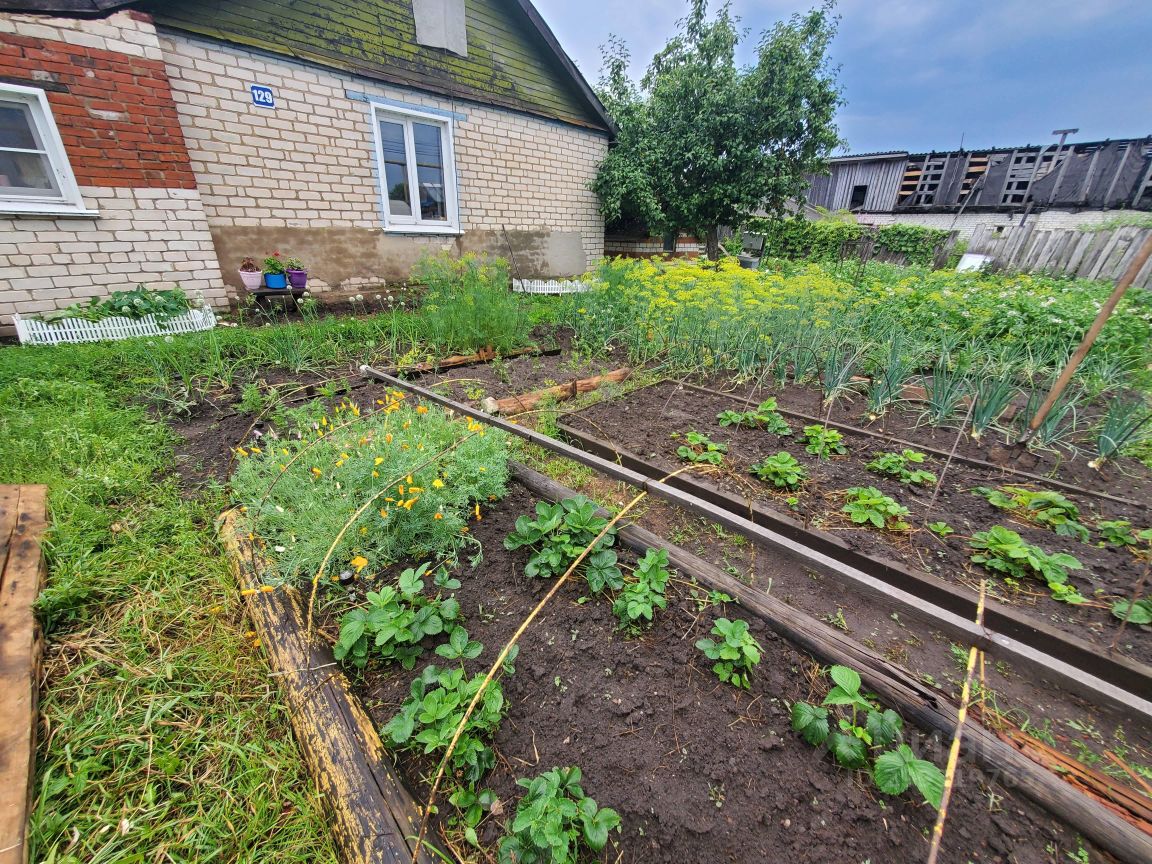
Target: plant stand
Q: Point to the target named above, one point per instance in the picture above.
(262, 297)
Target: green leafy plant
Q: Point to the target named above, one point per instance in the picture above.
(941, 528)
(428, 718)
(735, 651)
(1134, 611)
(1127, 422)
(764, 416)
(867, 505)
(857, 732)
(992, 395)
(135, 304)
(637, 601)
(554, 819)
(1004, 551)
(823, 442)
(896, 465)
(472, 807)
(559, 533)
(274, 264)
(1050, 509)
(1117, 532)
(397, 620)
(467, 305)
(782, 470)
(701, 449)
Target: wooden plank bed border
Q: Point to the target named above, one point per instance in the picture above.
(374, 817)
(23, 522)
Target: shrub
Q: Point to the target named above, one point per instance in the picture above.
(341, 467)
(469, 304)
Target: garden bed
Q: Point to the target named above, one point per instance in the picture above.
(698, 770)
(1109, 572)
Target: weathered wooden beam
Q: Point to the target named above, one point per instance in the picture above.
(559, 393)
(895, 686)
(374, 818)
(23, 521)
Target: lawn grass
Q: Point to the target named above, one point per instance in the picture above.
(162, 736)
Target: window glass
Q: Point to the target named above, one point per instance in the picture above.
(395, 168)
(25, 168)
(430, 171)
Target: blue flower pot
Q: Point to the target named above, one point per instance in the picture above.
(275, 280)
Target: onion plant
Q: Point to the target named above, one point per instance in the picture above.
(945, 389)
(1128, 421)
(1059, 427)
(991, 398)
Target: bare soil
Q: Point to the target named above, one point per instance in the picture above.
(651, 423)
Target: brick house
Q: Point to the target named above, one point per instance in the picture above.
(164, 141)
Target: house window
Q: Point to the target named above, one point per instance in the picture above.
(34, 173)
(859, 196)
(417, 171)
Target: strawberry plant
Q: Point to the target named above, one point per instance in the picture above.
(782, 470)
(941, 528)
(1004, 551)
(1117, 532)
(896, 465)
(428, 718)
(823, 442)
(867, 505)
(861, 735)
(736, 653)
(397, 620)
(637, 601)
(554, 819)
(1134, 612)
(701, 449)
(559, 533)
(472, 807)
(1049, 509)
(764, 416)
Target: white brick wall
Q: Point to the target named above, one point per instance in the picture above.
(156, 236)
(118, 32)
(967, 223)
(309, 162)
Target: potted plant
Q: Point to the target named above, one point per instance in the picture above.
(250, 274)
(274, 272)
(297, 275)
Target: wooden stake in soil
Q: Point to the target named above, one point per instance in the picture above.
(23, 521)
(1134, 268)
(954, 750)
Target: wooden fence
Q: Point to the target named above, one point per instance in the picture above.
(1089, 254)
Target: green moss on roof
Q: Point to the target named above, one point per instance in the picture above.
(507, 64)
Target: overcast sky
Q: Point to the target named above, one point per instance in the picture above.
(919, 74)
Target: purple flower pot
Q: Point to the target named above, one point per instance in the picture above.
(298, 278)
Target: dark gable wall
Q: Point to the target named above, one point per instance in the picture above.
(507, 64)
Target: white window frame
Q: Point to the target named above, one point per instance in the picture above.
(414, 224)
(69, 202)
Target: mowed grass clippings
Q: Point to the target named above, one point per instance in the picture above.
(162, 735)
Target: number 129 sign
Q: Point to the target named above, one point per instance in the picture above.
(262, 96)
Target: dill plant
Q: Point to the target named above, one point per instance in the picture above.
(469, 304)
(423, 514)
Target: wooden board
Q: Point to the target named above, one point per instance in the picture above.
(528, 401)
(374, 819)
(23, 521)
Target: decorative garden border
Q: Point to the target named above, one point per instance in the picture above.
(549, 286)
(71, 330)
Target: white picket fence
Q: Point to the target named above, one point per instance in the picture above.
(33, 331)
(549, 286)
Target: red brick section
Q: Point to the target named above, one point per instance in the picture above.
(117, 118)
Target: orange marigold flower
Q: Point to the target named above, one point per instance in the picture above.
(438, 516)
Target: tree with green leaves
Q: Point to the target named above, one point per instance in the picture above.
(703, 142)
